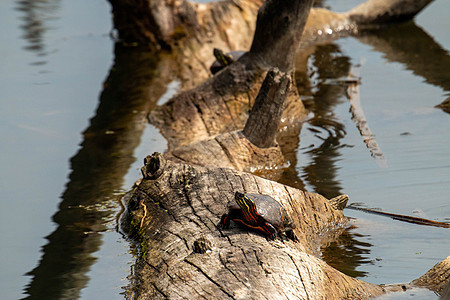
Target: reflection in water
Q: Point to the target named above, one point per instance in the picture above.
(347, 252)
(411, 46)
(404, 43)
(98, 171)
(36, 16)
(326, 62)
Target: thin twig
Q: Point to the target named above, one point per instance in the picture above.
(145, 213)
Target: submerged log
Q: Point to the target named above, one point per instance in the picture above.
(184, 256)
(436, 279)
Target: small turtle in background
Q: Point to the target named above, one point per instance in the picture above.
(224, 59)
(259, 212)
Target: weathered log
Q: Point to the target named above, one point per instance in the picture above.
(374, 13)
(255, 147)
(220, 104)
(197, 114)
(191, 30)
(184, 255)
(437, 278)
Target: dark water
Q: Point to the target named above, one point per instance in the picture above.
(73, 135)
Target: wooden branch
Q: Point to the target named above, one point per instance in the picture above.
(377, 12)
(220, 104)
(279, 27)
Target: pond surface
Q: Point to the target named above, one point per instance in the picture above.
(73, 135)
(405, 72)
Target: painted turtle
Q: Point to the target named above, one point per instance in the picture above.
(224, 59)
(260, 212)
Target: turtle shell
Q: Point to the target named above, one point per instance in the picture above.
(270, 209)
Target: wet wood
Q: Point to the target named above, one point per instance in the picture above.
(264, 119)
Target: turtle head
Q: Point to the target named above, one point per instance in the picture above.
(247, 206)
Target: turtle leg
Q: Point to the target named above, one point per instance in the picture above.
(272, 231)
(233, 214)
(224, 221)
(291, 235)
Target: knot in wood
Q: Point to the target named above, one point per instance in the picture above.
(153, 166)
(202, 245)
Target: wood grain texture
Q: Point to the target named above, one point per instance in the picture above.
(185, 204)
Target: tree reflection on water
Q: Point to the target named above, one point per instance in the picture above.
(98, 170)
(347, 252)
